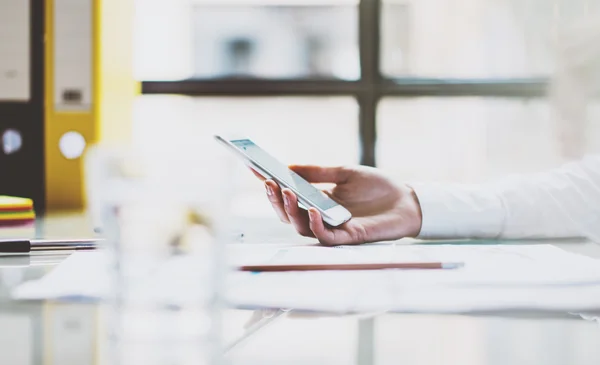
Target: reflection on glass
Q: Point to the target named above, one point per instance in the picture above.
(471, 139)
(475, 38)
(275, 41)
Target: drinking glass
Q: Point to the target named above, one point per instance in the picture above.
(164, 216)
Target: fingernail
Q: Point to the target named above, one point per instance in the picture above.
(311, 214)
(286, 200)
(269, 190)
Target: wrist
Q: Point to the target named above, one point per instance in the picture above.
(413, 218)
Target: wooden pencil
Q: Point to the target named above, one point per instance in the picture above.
(366, 266)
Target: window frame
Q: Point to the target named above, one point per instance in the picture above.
(368, 90)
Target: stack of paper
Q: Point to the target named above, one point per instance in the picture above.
(495, 277)
(15, 211)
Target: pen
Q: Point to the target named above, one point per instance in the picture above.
(25, 246)
(370, 266)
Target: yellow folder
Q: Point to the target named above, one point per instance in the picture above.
(89, 89)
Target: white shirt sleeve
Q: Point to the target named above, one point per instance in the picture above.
(560, 203)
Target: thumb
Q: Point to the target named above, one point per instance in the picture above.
(320, 174)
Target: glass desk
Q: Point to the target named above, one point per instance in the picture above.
(50, 333)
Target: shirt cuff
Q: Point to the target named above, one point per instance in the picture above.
(459, 211)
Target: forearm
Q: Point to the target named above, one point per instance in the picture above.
(560, 203)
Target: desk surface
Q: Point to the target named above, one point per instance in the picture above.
(46, 333)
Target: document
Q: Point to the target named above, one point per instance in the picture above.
(495, 277)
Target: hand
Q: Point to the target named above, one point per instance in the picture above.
(381, 210)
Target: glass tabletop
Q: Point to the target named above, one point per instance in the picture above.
(38, 332)
(44, 333)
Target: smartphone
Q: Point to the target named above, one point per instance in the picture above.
(270, 168)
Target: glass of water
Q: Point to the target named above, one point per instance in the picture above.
(164, 218)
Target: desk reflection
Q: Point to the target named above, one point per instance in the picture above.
(72, 334)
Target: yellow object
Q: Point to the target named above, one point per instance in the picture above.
(89, 89)
(13, 203)
(15, 210)
(17, 216)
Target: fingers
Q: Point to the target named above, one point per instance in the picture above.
(257, 174)
(319, 174)
(298, 217)
(350, 233)
(325, 235)
(285, 204)
(274, 195)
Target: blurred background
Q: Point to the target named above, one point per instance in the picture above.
(429, 90)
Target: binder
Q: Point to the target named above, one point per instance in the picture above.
(66, 82)
(22, 167)
(89, 89)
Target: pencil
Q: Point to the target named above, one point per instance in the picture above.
(370, 266)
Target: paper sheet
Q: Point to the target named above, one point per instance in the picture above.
(495, 277)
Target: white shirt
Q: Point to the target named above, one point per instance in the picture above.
(560, 203)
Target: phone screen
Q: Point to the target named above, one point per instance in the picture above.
(284, 174)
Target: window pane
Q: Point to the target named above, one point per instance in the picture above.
(475, 139)
(293, 129)
(276, 41)
(480, 38)
(247, 38)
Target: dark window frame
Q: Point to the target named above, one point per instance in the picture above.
(368, 90)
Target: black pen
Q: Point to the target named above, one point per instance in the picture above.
(25, 246)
